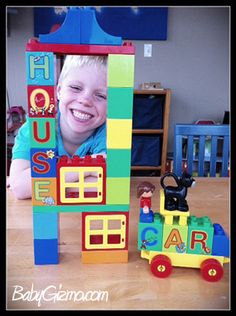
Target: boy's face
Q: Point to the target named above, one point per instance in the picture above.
(83, 98)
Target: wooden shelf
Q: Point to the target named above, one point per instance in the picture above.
(163, 132)
(147, 131)
(145, 168)
(164, 91)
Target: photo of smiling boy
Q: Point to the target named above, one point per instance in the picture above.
(81, 119)
(82, 95)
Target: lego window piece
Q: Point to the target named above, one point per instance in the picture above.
(86, 192)
(112, 235)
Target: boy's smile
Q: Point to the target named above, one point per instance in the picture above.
(81, 116)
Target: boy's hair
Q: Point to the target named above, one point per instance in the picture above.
(72, 61)
(145, 187)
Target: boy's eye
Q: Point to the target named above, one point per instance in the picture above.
(76, 88)
(101, 96)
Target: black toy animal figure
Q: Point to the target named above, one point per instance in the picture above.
(175, 195)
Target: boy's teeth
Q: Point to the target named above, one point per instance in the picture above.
(80, 115)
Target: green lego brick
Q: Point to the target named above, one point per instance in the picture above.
(120, 103)
(45, 209)
(118, 191)
(81, 208)
(200, 235)
(150, 234)
(42, 132)
(120, 71)
(175, 237)
(118, 163)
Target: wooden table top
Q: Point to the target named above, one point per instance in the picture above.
(127, 286)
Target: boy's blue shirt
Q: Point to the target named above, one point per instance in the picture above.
(95, 144)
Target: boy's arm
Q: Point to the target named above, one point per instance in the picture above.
(20, 179)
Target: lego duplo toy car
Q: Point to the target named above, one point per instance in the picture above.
(175, 238)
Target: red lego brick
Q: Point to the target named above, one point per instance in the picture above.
(42, 101)
(34, 46)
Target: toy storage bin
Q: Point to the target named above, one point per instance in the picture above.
(148, 111)
(146, 150)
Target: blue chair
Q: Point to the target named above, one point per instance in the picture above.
(202, 145)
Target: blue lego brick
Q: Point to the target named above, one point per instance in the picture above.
(150, 234)
(146, 218)
(91, 32)
(80, 27)
(45, 225)
(40, 70)
(46, 251)
(221, 243)
(43, 163)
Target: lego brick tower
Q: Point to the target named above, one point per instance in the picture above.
(105, 214)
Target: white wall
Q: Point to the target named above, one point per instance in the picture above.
(193, 62)
(21, 26)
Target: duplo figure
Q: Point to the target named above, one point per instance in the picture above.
(145, 192)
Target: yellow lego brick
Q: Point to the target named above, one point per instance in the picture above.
(169, 215)
(186, 260)
(119, 134)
